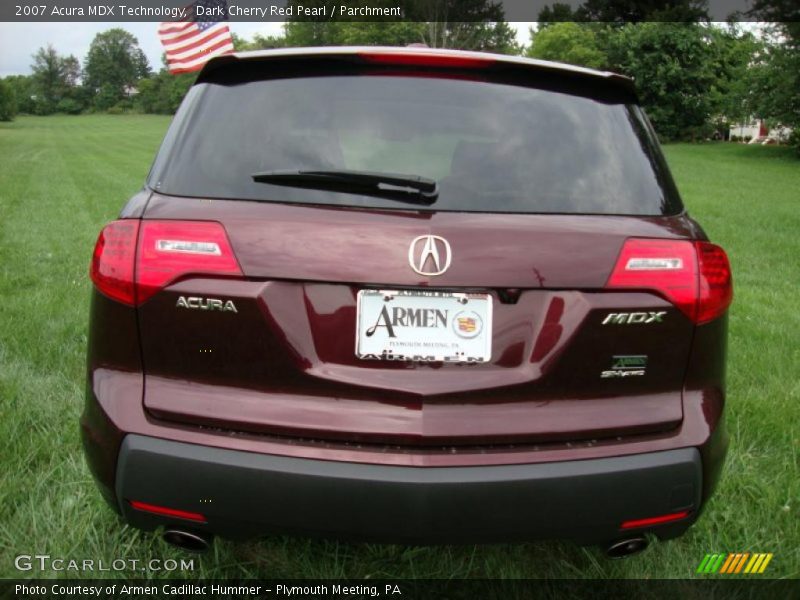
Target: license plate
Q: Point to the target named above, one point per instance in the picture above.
(424, 326)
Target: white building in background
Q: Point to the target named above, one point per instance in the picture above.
(756, 131)
(749, 129)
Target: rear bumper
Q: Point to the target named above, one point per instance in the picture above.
(244, 494)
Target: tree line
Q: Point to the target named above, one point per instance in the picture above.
(112, 71)
(695, 79)
(115, 75)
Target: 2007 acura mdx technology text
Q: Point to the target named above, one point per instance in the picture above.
(407, 295)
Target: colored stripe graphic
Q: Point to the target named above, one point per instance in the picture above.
(756, 559)
(764, 564)
(740, 564)
(734, 563)
(704, 563)
(718, 563)
(728, 562)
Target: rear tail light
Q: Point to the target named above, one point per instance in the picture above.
(169, 250)
(113, 261)
(716, 285)
(135, 259)
(694, 276)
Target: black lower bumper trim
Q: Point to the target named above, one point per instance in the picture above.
(243, 494)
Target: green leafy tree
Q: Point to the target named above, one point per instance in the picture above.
(148, 98)
(265, 42)
(163, 93)
(776, 76)
(71, 71)
(114, 65)
(632, 11)
(628, 11)
(8, 101)
(240, 44)
(693, 78)
(23, 89)
(672, 66)
(462, 24)
(573, 43)
(300, 30)
(489, 37)
(310, 33)
(259, 42)
(556, 13)
(54, 79)
(69, 106)
(73, 97)
(347, 33)
(107, 96)
(734, 52)
(49, 79)
(775, 87)
(784, 14)
(492, 36)
(379, 33)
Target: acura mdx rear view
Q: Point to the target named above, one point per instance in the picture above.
(407, 295)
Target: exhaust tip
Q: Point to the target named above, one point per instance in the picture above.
(187, 540)
(627, 547)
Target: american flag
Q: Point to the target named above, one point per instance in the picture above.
(190, 44)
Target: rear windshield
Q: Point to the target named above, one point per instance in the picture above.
(491, 147)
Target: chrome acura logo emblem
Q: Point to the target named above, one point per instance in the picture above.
(429, 255)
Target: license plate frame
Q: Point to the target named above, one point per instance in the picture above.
(432, 326)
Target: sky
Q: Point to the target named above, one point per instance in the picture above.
(18, 41)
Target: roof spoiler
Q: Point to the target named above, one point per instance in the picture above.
(415, 55)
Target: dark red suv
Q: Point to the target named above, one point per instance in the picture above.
(407, 295)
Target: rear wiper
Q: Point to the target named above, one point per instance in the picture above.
(403, 188)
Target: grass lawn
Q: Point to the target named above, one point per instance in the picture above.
(62, 178)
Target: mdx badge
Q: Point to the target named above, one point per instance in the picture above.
(195, 302)
(634, 318)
